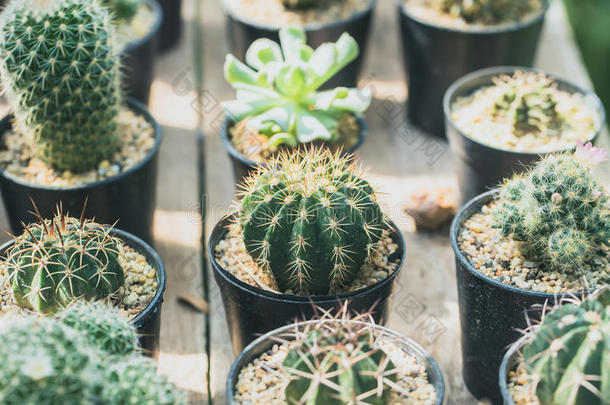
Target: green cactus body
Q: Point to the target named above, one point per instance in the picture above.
(297, 4)
(311, 220)
(59, 261)
(123, 10)
(569, 354)
(338, 366)
(60, 68)
(557, 210)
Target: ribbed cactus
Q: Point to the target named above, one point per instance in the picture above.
(104, 326)
(296, 4)
(60, 69)
(569, 354)
(311, 219)
(338, 364)
(528, 99)
(487, 11)
(558, 210)
(123, 10)
(55, 262)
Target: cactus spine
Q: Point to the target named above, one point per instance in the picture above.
(58, 261)
(569, 353)
(60, 68)
(558, 210)
(311, 219)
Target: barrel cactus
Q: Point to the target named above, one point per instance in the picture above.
(60, 69)
(311, 219)
(55, 262)
(488, 11)
(569, 353)
(123, 10)
(558, 210)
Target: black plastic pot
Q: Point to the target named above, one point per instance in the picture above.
(252, 311)
(509, 362)
(128, 197)
(491, 313)
(171, 27)
(435, 56)
(480, 167)
(242, 32)
(242, 166)
(266, 342)
(148, 322)
(138, 59)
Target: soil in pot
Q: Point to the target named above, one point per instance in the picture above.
(526, 112)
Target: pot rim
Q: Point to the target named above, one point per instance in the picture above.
(477, 30)
(503, 372)
(316, 26)
(135, 106)
(234, 153)
(451, 93)
(456, 226)
(221, 230)
(147, 251)
(422, 355)
(152, 32)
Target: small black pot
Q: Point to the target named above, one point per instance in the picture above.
(491, 313)
(266, 342)
(242, 166)
(252, 311)
(481, 167)
(171, 27)
(435, 56)
(242, 32)
(138, 59)
(148, 322)
(509, 363)
(128, 197)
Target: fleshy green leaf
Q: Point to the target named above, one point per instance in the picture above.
(262, 52)
(312, 125)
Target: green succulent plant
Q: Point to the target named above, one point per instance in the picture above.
(569, 353)
(488, 12)
(56, 262)
(60, 69)
(558, 210)
(311, 219)
(123, 10)
(277, 91)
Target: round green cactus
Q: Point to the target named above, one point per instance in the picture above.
(297, 4)
(569, 353)
(45, 363)
(55, 262)
(106, 327)
(558, 210)
(60, 69)
(123, 10)
(311, 219)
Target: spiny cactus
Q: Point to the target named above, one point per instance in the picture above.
(60, 69)
(569, 353)
(558, 210)
(528, 99)
(276, 93)
(488, 11)
(55, 262)
(104, 325)
(45, 363)
(311, 219)
(123, 10)
(297, 4)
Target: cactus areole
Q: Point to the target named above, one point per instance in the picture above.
(311, 220)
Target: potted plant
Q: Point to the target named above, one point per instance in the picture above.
(85, 356)
(542, 234)
(59, 261)
(445, 39)
(335, 360)
(70, 135)
(308, 230)
(278, 106)
(138, 23)
(500, 120)
(171, 27)
(564, 359)
(323, 20)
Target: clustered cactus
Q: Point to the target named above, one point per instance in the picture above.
(49, 361)
(528, 100)
(311, 219)
(277, 93)
(60, 69)
(56, 262)
(558, 210)
(568, 354)
(123, 10)
(488, 12)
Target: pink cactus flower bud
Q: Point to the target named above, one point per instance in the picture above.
(589, 153)
(556, 198)
(596, 194)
